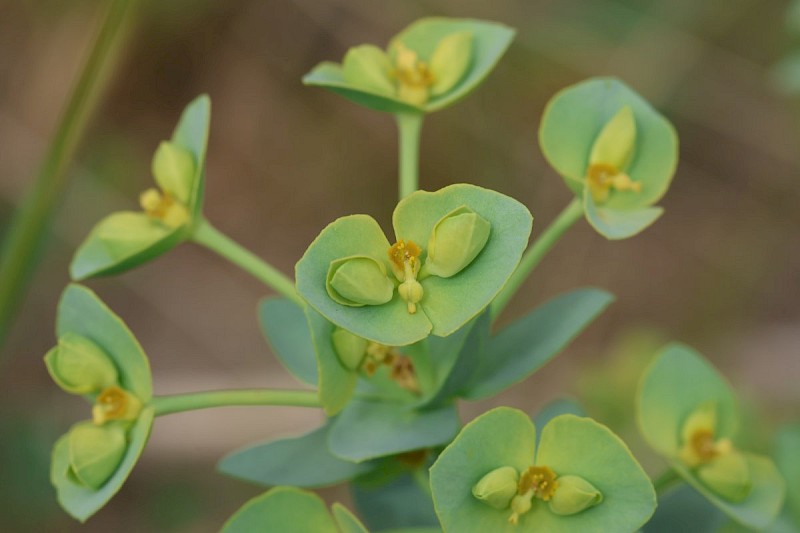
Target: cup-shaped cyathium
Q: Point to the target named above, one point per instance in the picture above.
(687, 412)
(614, 150)
(99, 358)
(580, 477)
(426, 67)
(127, 239)
(454, 250)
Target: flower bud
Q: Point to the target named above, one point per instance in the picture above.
(574, 494)
(456, 239)
(498, 487)
(95, 452)
(79, 366)
(450, 61)
(359, 280)
(350, 348)
(615, 144)
(728, 476)
(368, 67)
(173, 169)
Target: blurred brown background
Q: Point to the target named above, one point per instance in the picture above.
(719, 270)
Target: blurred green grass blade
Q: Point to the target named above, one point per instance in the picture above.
(28, 227)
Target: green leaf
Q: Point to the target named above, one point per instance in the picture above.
(347, 522)
(302, 461)
(192, 134)
(616, 224)
(763, 503)
(390, 323)
(366, 430)
(582, 447)
(449, 303)
(399, 503)
(677, 382)
(684, 509)
(82, 502)
(336, 383)
(284, 325)
(575, 117)
(522, 348)
(489, 42)
(81, 312)
(120, 242)
(787, 444)
(330, 76)
(284, 509)
(561, 406)
(500, 437)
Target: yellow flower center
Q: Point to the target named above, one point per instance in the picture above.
(401, 367)
(536, 482)
(602, 178)
(164, 207)
(115, 403)
(413, 76)
(404, 257)
(701, 447)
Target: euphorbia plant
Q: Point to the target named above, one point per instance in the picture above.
(389, 332)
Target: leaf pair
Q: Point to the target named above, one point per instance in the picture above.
(429, 65)
(687, 412)
(442, 302)
(613, 150)
(127, 239)
(92, 461)
(479, 479)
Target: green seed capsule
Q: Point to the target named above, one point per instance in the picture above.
(359, 280)
(450, 61)
(368, 67)
(728, 476)
(350, 348)
(79, 366)
(456, 239)
(95, 452)
(173, 169)
(574, 494)
(498, 487)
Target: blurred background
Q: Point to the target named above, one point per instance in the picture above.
(719, 271)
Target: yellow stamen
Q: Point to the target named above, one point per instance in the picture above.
(602, 178)
(535, 482)
(404, 258)
(413, 76)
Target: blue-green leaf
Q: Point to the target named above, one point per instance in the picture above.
(302, 461)
(284, 510)
(284, 325)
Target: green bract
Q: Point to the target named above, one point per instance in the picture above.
(92, 461)
(428, 66)
(422, 302)
(613, 150)
(687, 412)
(126, 239)
(290, 510)
(604, 488)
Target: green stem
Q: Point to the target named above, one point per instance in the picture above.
(409, 126)
(534, 255)
(210, 237)
(666, 480)
(178, 403)
(25, 235)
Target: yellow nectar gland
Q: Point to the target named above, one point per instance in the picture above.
(404, 256)
(536, 482)
(413, 76)
(163, 207)
(701, 447)
(115, 403)
(401, 366)
(603, 177)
